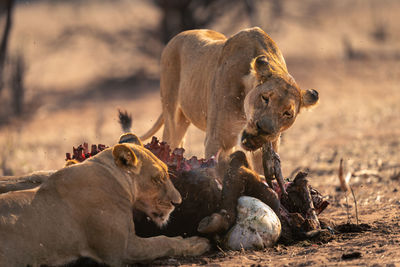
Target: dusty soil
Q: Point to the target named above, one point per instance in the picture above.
(81, 69)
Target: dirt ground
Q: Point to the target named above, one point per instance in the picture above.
(86, 59)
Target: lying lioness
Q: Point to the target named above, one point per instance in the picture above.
(227, 87)
(86, 210)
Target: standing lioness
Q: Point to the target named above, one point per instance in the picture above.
(227, 87)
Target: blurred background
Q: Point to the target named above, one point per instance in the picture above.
(67, 66)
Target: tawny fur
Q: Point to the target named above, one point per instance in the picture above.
(218, 84)
(86, 210)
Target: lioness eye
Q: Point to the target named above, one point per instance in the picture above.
(156, 179)
(265, 99)
(288, 114)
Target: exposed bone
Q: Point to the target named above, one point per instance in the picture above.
(272, 167)
(257, 226)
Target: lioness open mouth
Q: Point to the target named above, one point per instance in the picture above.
(252, 142)
(157, 215)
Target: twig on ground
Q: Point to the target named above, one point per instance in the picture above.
(345, 186)
(222, 251)
(355, 203)
(343, 183)
(347, 208)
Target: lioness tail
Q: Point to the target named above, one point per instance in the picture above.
(125, 120)
(157, 125)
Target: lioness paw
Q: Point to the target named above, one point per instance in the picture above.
(196, 246)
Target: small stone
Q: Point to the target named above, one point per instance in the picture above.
(351, 255)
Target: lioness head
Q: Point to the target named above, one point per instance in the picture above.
(272, 102)
(155, 194)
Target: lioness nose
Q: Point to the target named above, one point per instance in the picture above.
(175, 204)
(261, 130)
(244, 136)
(177, 199)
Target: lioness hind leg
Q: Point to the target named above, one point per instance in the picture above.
(147, 249)
(175, 128)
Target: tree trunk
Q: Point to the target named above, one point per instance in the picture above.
(6, 33)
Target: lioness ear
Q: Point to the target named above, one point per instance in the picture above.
(130, 138)
(262, 67)
(309, 98)
(124, 157)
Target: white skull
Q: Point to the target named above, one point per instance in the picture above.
(257, 226)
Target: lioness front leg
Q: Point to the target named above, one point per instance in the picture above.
(146, 249)
(219, 145)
